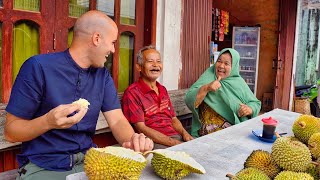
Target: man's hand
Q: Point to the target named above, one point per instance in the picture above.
(214, 85)
(139, 143)
(244, 110)
(187, 137)
(57, 117)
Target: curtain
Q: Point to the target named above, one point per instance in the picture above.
(78, 7)
(32, 5)
(25, 44)
(125, 61)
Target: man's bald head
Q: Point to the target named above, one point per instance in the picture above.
(91, 22)
(94, 38)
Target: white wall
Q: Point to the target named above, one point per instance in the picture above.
(168, 41)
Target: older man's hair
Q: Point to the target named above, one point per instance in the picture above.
(140, 53)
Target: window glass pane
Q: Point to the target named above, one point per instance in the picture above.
(70, 36)
(78, 7)
(125, 60)
(106, 7)
(0, 60)
(25, 44)
(30, 5)
(128, 12)
(108, 64)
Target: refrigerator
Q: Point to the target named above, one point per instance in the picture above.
(246, 40)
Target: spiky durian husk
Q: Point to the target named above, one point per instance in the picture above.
(174, 165)
(286, 175)
(250, 174)
(99, 164)
(262, 160)
(304, 126)
(314, 145)
(313, 171)
(291, 154)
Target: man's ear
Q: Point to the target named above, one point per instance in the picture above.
(96, 38)
(138, 67)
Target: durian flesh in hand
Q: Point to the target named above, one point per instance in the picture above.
(82, 102)
(174, 165)
(113, 163)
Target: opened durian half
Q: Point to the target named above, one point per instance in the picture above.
(174, 165)
(113, 163)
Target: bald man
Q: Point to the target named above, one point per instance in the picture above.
(55, 133)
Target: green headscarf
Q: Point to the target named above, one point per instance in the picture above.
(226, 100)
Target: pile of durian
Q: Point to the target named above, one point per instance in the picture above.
(291, 158)
(121, 163)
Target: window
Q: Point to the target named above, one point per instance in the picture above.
(25, 44)
(126, 59)
(32, 28)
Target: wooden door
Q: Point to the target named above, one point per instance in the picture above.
(283, 65)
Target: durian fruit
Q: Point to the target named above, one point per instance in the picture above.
(82, 102)
(262, 160)
(313, 171)
(249, 174)
(304, 126)
(113, 163)
(174, 165)
(314, 145)
(287, 175)
(290, 154)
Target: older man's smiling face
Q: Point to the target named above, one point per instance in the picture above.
(152, 65)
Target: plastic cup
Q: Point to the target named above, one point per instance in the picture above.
(269, 127)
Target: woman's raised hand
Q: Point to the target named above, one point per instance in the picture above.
(214, 85)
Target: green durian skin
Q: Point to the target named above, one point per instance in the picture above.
(314, 145)
(105, 166)
(251, 174)
(291, 154)
(289, 175)
(167, 168)
(263, 161)
(305, 126)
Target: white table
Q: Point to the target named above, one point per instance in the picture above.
(225, 151)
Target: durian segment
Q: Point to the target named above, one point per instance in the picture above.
(174, 165)
(113, 163)
(82, 102)
(290, 154)
(314, 145)
(286, 175)
(262, 160)
(250, 174)
(305, 126)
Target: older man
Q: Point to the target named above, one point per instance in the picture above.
(146, 103)
(55, 133)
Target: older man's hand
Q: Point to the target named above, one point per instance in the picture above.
(139, 143)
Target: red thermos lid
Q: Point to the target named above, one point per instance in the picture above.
(269, 121)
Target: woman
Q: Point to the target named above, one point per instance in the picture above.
(220, 97)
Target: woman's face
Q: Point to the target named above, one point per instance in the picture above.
(223, 65)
